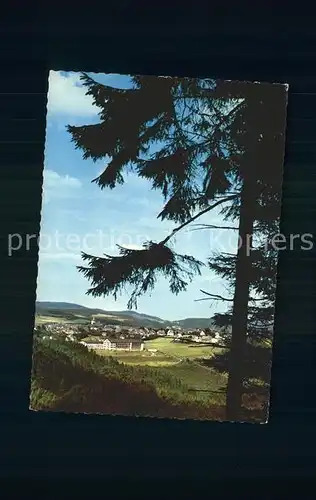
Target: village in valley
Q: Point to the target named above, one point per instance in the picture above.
(146, 356)
(98, 336)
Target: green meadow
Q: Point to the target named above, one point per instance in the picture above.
(41, 319)
(179, 361)
(180, 350)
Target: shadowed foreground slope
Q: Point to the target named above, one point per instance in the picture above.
(67, 377)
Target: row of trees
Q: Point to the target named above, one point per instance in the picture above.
(205, 145)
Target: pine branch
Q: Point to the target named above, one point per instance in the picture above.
(140, 269)
(211, 226)
(219, 297)
(176, 230)
(214, 296)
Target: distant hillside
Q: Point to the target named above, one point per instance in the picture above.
(68, 307)
(140, 315)
(59, 305)
(70, 311)
(195, 323)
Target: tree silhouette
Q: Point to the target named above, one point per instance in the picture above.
(260, 125)
(253, 269)
(203, 144)
(256, 361)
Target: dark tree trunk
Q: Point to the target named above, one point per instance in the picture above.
(240, 307)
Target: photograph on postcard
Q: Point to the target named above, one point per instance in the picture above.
(158, 246)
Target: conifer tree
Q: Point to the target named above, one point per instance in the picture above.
(253, 269)
(190, 168)
(203, 144)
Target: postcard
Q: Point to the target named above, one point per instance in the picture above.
(158, 246)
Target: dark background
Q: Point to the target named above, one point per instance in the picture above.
(188, 40)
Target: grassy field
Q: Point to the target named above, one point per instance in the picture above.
(206, 384)
(177, 360)
(168, 353)
(178, 350)
(144, 358)
(111, 316)
(68, 377)
(198, 377)
(42, 319)
(49, 319)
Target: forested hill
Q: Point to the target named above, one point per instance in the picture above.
(127, 317)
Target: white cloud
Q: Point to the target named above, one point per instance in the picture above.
(59, 256)
(66, 96)
(131, 246)
(52, 180)
(56, 185)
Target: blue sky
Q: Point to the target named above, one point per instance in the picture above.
(77, 216)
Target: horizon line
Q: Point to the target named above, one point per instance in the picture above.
(121, 310)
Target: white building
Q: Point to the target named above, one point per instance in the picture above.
(123, 345)
(196, 338)
(117, 345)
